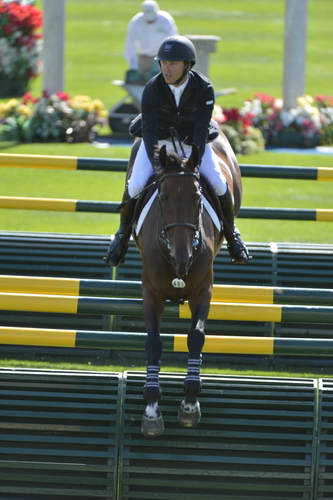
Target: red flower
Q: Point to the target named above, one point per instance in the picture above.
(62, 95)
(23, 17)
(265, 98)
(231, 114)
(26, 97)
(324, 100)
(247, 119)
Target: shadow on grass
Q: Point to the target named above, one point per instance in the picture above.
(118, 361)
(7, 145)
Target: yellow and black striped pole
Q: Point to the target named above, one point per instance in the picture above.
(62, 162)
(133, 289)
(58, 204)
(120, 165)
(45, 337)
(70, 205)
(134, 307)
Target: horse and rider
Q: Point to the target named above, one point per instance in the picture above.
(178, 240)
(183, 99)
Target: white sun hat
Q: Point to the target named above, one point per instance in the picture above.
(150, 9)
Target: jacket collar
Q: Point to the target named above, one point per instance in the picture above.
(188, 91)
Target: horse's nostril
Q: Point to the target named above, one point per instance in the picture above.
(182, 267)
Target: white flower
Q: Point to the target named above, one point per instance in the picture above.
(253, 107)
(17, 60)
(287, 116)
(246, 108)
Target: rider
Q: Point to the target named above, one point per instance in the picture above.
(181, 98)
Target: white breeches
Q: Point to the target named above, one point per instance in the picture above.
(209, 168)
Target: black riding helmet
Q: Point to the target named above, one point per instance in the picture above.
(177, 48)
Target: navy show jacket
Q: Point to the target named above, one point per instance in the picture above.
(191, 118)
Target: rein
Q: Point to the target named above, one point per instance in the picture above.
(166, 227)
(136, 197)
(194, 227)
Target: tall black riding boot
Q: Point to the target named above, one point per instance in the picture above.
(118, 247)
(237, 249)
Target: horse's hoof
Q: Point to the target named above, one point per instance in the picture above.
(189, 418)
(152, 427)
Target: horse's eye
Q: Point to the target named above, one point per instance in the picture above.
(163, 196)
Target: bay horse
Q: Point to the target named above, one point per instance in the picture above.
(178, 242)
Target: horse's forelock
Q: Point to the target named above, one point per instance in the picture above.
(174, 163)
(175, 160)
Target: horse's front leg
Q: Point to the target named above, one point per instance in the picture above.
(152, 420)
(189, 412)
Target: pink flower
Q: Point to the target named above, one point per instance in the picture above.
(63, 96)
(26, 97)
(324, 100)
(8, 29)
(308, 124)
(265, 98)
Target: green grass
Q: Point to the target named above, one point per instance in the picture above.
(126, 364)
(249, 55)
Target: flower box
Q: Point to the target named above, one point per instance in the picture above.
(12, 87)
(51, 118)
(262, 120)
(289, 138)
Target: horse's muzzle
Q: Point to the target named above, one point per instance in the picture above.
(182, 267)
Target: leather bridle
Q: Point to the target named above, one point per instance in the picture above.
(188, 225)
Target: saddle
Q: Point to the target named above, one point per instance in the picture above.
(210, 195)
(142, 201)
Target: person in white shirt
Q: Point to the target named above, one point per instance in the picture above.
(146, 31)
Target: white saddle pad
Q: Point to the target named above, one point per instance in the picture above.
(207, 206)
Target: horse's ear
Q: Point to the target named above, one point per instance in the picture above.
(193, 160)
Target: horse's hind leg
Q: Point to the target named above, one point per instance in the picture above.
(189, 412)
(152, 420)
